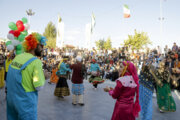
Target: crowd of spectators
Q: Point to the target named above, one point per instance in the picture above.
(108, 59)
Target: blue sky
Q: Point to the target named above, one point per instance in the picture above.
(109, 18)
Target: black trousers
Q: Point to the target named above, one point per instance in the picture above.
(95, 85)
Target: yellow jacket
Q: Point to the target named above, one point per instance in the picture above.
(7, 63)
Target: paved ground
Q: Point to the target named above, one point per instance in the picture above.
(98, 105)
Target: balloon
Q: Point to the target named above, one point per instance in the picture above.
(21, 37)
(18, 52)
(16, 33)
(12, 26)
(15, 38)
(8, 43)
(19, 22)
(24, 20)
(10, 47)
(11, 31)
(27, 26)
(20, 27)
(19, 47)
(24, 33)
(15, 42)
(10, 36)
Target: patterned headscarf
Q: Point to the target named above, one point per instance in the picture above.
(62, 60)
(93, 60)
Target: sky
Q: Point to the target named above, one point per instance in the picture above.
(109, 19)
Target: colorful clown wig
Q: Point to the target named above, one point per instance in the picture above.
(32, 40)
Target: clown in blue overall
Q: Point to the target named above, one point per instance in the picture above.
(24, 79)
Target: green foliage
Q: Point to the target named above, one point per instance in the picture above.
(137, 41)
(50, 34)
(51, 43)
(108, 44)
(100, 44)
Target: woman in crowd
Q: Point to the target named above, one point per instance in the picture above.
(54, 78)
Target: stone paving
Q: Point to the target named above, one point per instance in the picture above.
(98, 105)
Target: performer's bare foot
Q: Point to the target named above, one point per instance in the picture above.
(161, 111)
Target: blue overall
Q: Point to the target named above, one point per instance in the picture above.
(21, 105)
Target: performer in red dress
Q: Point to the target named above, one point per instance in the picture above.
(125, 90)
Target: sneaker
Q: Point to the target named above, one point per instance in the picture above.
(81, 104)
(74, 104)
(60, 97)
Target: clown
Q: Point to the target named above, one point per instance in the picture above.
(126, 88)
(24, 79)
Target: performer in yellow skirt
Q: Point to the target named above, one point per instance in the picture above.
(1, 71)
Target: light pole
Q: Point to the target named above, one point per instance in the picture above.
(30, 13)
(161, 21)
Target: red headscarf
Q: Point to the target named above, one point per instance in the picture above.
(93, 60)
(131, 70)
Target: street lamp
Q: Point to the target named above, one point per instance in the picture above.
(30, 13)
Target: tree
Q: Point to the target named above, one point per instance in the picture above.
(51, 43)
(100, 44)
(50, 34)
(137, 41)
(108, 44)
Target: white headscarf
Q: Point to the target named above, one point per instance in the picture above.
(79, 58)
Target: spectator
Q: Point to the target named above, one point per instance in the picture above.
(175, 48)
